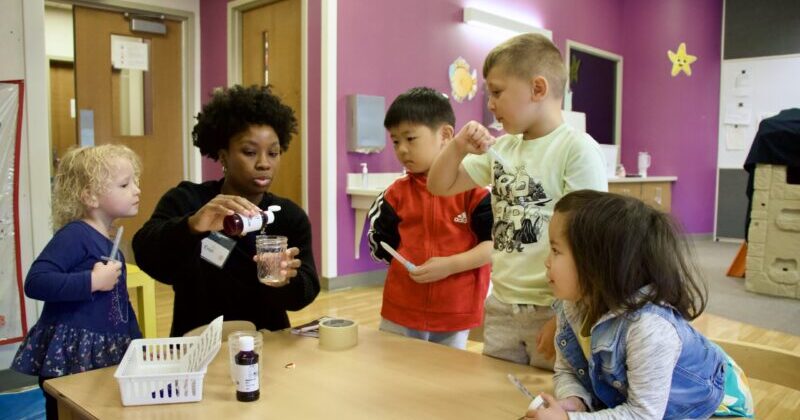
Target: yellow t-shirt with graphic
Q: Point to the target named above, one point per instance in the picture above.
(540, 171)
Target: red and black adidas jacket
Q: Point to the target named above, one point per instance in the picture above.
(420, 225)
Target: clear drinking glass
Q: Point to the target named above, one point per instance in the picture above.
(270, 252)
(233, 348)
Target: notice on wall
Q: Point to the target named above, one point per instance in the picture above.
(735, 138)
(12, 305)
(738, 113)
(129, 53)
(743, 84)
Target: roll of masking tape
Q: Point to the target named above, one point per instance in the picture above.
(338, 334)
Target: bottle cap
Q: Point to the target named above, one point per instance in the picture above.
(246, 343)
(270, 213)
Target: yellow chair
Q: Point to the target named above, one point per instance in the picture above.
(476, 334)
(145, 299)
(768, 364)
(227, 328)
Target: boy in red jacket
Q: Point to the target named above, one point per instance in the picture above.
(448, 238)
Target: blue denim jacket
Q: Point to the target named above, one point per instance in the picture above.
(697, 381)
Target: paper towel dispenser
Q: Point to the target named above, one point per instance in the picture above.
(365, 123)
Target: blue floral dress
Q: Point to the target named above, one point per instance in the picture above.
(78, 330)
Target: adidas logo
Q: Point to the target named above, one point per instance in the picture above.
(461, 218)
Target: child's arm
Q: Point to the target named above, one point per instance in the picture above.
(565, 381)
(653, 348)
(438, 268)
(545, 339)
(382, 228)
(53, 276)
(480, 219)
(447, 176)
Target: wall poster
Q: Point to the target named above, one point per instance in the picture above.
(13, 324)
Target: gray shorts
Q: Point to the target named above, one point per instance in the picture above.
(456, 339)
(510, 332)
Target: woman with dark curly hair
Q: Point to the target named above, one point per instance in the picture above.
(246, 130)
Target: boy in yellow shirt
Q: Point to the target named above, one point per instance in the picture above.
(541, 159)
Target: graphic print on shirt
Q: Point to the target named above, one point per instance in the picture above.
(518, 216)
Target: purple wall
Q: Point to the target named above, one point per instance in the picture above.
(387, 47)
(214, 73)
(674, 118)
(314, 132)
(213, 61)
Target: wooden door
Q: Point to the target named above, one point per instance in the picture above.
(62, 120)
(271, 50)
(98, 88)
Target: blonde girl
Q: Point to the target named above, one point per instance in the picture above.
(87, 321)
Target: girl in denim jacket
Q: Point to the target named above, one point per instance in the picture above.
(626, 290)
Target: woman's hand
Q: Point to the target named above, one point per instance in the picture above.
(209, 217)
(290, 264)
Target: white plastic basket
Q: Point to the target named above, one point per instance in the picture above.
(167, 370)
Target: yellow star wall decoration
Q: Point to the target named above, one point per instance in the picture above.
(681, 61)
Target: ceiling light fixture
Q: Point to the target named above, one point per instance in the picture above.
(490, 20)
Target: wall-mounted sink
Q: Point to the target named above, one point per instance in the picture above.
(362, 196)
(376, 183)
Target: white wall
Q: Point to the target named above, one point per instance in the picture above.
(11, 64)
(59, 39)
(772, 87)
(24, 56)
(17, 63)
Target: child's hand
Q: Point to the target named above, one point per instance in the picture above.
(572, 404)
(105, 275)
(474, 138)
(544, 341)
(551, 410)
(433, 270)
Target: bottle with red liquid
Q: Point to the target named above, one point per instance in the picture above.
(239, 224)
(247, 376)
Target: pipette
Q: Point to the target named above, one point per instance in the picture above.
(115, 248)
(405, 262)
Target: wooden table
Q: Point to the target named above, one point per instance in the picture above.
(385, 376)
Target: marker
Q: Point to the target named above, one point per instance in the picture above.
(405, 262)
(536, 402)
(519, 386)
(115, 248)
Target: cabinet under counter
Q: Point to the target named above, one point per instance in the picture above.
(654, 190)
